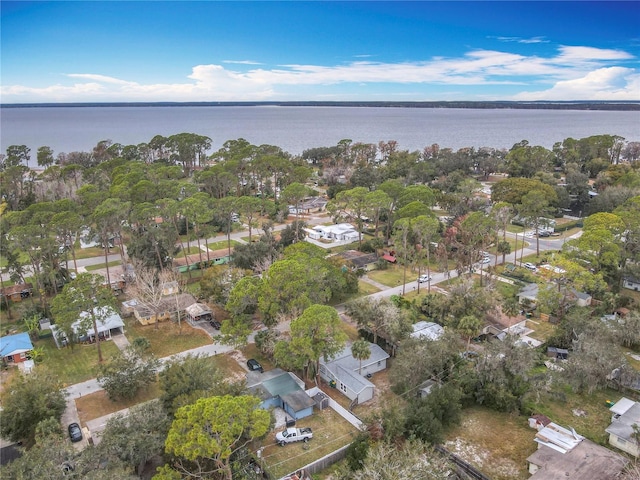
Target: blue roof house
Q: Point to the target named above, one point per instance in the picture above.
(14, 348)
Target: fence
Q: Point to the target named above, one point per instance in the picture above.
(465, 467)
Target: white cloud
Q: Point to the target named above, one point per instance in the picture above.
(99, 78)
(613, 83)
(522, 40)
(575, 73)
(242, 62)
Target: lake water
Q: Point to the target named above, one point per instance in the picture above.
(294, 129)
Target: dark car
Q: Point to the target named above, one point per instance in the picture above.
(215, 324)
(74, 432)
(254, 365)
(544, 233)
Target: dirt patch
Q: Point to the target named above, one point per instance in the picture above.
(239, 357)
(496, 443)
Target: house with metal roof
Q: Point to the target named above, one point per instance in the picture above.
(279, 389)
(562, 453)
(109, 322)
(336, 233)
(625, 416)
(345, 373)
(14, 348)
(428, 330)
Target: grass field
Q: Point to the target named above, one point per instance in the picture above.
(167, 339)
(392, 276)
(73, 365)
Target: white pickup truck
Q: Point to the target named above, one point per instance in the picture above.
(291, 435)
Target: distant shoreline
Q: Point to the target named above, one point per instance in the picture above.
(569, 105)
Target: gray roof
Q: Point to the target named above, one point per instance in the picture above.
(298, 400)
(530, 290)
(622, 426)
(355, 382)
(110, 321)
(278, 383)
(346, 360)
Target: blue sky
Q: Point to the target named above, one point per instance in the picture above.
(74, 51)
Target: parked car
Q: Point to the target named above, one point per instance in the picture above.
(530, 266)
(544, 233)
(291, 435)
(75, 433)
(254, 365)
(424, 278)
(485, 260)
(215, 324)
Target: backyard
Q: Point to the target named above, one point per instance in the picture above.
(496, 443)
(330, 432)
(169, 338)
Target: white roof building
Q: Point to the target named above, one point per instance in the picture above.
(428, 330)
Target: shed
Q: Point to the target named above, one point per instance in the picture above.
(14, 348)
(17, 292)
(557, 353)
(424, 389)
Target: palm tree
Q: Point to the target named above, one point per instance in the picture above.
(361, 351)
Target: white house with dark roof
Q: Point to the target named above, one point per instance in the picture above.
(345, 374)
(625, 415)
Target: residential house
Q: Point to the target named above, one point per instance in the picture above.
(562, 453)
(336, 233)
(279, 389)
(631, 283)
(625, 416)
(110, 323)
(14, 348)
(344, 372)
(17, 292)
(529, 293)
(308, 206)
(428, 330)
(358, 260)
(167, 307)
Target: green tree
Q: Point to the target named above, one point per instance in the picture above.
(45, 157)
(294, 194)
(30, 400)
(87, 300)
(360, 350)
(204, 435)
(137, 437)
(184, 380)
(126, 373)
(469, 326)
(534, 207)
(315, 334)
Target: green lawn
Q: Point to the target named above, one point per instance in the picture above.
(99, 266)
(392, 276)
(167, 339)
(73, 365)
(364, 289)
(560, 409)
